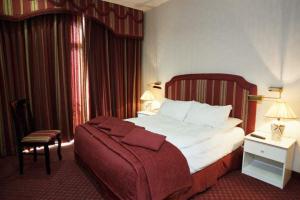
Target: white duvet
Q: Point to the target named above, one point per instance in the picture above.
(180, 134)
(201, 145)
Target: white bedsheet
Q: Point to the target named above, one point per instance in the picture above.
(201, 145)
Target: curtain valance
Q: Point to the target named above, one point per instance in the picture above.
(121, 20)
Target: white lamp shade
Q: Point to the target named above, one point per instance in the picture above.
(281, 110)
(147, 96)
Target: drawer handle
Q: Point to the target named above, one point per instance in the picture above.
(262, 151)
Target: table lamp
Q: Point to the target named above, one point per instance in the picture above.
(279, 110)
(148, 98)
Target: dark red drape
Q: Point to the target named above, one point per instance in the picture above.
(35, 64)
(114, 65)
(45, 59)
(69, 70)
(121, 20)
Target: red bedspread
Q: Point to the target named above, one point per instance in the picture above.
(132, 172)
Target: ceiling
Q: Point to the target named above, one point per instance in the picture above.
(139, 4)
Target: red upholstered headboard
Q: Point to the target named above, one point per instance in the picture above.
(217, 89)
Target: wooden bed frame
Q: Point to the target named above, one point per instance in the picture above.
(214, 89)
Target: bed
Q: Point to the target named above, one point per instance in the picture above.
(97, 155)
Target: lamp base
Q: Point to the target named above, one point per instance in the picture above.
(277, 131)
(148, 106)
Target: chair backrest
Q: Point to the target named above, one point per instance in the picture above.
(22, 118)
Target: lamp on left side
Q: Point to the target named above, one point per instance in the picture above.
(148, 97)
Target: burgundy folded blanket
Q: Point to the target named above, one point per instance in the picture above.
(143, 138)
(133, 135)
(97, 120)
(116, 127)
(159, 174)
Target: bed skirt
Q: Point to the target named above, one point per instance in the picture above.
(207, 177)
(202, 180)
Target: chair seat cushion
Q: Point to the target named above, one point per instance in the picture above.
(36, 139)
(42, 136)
(51, 133)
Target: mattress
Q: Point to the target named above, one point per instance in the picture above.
(200, 145)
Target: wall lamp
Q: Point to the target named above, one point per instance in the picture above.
(261, 97)
(156, 85)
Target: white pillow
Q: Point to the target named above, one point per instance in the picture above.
(230, 123)
(204, 114)
(175, 109)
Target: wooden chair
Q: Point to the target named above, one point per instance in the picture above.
(28, 137)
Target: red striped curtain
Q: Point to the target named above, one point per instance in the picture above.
(70, 69)
(114, 72)
(121, 20)
(80, 90)
(12, 54)
(35, 64)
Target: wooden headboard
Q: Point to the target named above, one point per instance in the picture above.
(217, 89)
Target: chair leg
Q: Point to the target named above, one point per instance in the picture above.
(59, 147)
(34, 154)
(20, 155)
(47, 158)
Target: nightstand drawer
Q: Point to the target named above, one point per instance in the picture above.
(266, 151)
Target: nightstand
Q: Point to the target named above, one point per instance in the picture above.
(145, 113)
(267, 160)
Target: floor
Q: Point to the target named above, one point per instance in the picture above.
(68, 181)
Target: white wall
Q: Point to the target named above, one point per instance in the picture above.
(257, 39)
